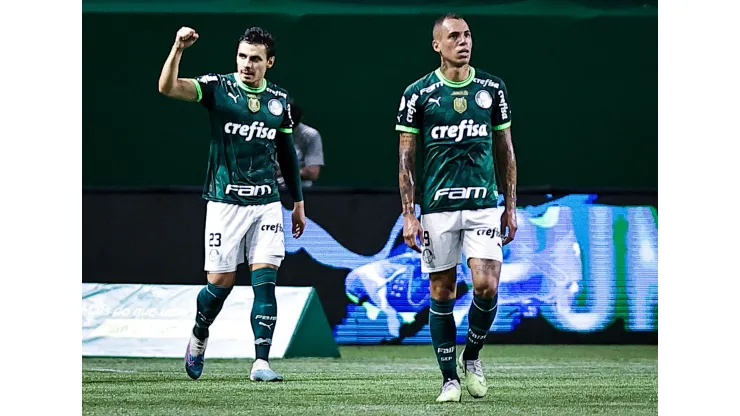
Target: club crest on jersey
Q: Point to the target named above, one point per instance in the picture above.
(253, 103)
(483, 99)
(275, 107)
(460, 104)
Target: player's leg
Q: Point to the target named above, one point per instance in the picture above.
(421, 317)
(482, 245)
(266, 250)
(224, 248)
(441, 253)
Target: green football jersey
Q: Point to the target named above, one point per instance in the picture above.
(244, 124)
(455, 121)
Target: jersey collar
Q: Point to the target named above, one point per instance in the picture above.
(247, 88)
(456, 84)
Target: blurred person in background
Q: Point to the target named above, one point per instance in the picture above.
(308, 148)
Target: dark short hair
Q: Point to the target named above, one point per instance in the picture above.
(296, 113)
(259, 36)
(441, 19)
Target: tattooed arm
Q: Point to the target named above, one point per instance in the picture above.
(506, 164)
(506, 167)
(406, 169)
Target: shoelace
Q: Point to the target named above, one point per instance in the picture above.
(474, 367)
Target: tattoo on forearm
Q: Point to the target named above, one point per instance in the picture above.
(506, 164)
(406, 169)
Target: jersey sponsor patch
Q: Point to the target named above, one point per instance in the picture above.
(430, 88)
(473, 192)
(411, 108)
(275, 107)
(486, 82)
(504, 106)
(250, 131)
(248, 190)
(205, 79)
(275, 228)
(278, 93)
(483, 99)
(466, 128)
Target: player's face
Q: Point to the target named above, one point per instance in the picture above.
(453, 41)
(252, 63)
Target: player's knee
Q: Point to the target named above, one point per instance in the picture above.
(486, 274)
(222, 279)
(442, 292)
(487, 289)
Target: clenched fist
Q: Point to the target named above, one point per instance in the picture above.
(185, 37)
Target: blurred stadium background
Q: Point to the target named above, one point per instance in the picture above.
(578, 326)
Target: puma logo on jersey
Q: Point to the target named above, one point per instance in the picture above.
(233, 97)
(466, 128)
(436, 101)
(256, 130)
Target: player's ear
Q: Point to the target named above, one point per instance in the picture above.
(435, 45)
(270, 61)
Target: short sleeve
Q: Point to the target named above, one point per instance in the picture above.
(501, 114)
(286, 126)
(206, 86)
(408, 119)
(314, 152)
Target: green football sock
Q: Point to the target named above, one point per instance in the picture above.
(442, 329)
(209, 303)
(480, 317)
(264, 310)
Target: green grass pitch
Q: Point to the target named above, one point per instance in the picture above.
(383, 380)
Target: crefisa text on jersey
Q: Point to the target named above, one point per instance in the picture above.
(458, 132)
(249, 131)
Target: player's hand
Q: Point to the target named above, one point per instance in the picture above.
(185, 37)
(411, 230)
(299, 219)
(508, 225)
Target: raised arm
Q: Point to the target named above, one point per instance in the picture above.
(169, 83)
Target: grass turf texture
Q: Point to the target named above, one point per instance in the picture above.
(382, 380)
